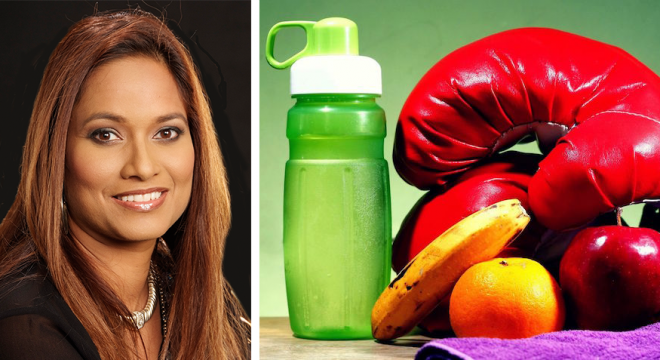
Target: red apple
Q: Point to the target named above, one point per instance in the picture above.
(611, 277)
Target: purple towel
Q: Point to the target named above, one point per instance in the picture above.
(643, 343)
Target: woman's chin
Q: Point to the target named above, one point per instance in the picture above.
(139, 235)
(136, 230)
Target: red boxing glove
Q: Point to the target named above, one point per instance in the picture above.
(487, 95)
(600, 165)
(505, 176)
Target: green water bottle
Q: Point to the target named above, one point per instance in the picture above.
(337, 217)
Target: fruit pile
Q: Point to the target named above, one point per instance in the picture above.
(596, 119)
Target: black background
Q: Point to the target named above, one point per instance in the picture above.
(218, 36)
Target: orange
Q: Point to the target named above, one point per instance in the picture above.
(506, 298)
(438, 320)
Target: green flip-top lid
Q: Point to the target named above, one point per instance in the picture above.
(330, 61)
(331, 36)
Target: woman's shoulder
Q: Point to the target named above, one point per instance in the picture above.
(32, 308)
(25, 289)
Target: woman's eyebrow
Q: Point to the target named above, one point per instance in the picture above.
(171, 116)
(104, 115)
(121, 119)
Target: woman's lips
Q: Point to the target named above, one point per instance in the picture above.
(137, 204)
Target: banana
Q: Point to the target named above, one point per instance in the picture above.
(430, 276)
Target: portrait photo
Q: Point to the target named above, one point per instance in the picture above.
(125, 180)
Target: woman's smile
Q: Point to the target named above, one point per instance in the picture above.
(142, 200)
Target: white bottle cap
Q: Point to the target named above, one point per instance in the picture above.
(336, 74)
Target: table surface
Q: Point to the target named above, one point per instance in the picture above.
(276, 341)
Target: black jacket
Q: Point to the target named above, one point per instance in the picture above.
(36, 322)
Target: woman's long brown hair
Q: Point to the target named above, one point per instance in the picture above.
(204, 318)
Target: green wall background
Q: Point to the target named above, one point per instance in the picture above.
(407, 38)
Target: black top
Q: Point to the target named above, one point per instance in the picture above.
(36, 322)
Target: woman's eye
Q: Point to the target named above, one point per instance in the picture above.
(104, 135)
(167, 134)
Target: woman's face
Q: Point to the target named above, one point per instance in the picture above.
(129, 153)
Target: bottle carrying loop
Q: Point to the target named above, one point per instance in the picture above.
(331, 36)
(270, 42)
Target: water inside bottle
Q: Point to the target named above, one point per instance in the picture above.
(337, 245)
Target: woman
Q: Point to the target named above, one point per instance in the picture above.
(123, 202)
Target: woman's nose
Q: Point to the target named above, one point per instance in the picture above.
(141, 161)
